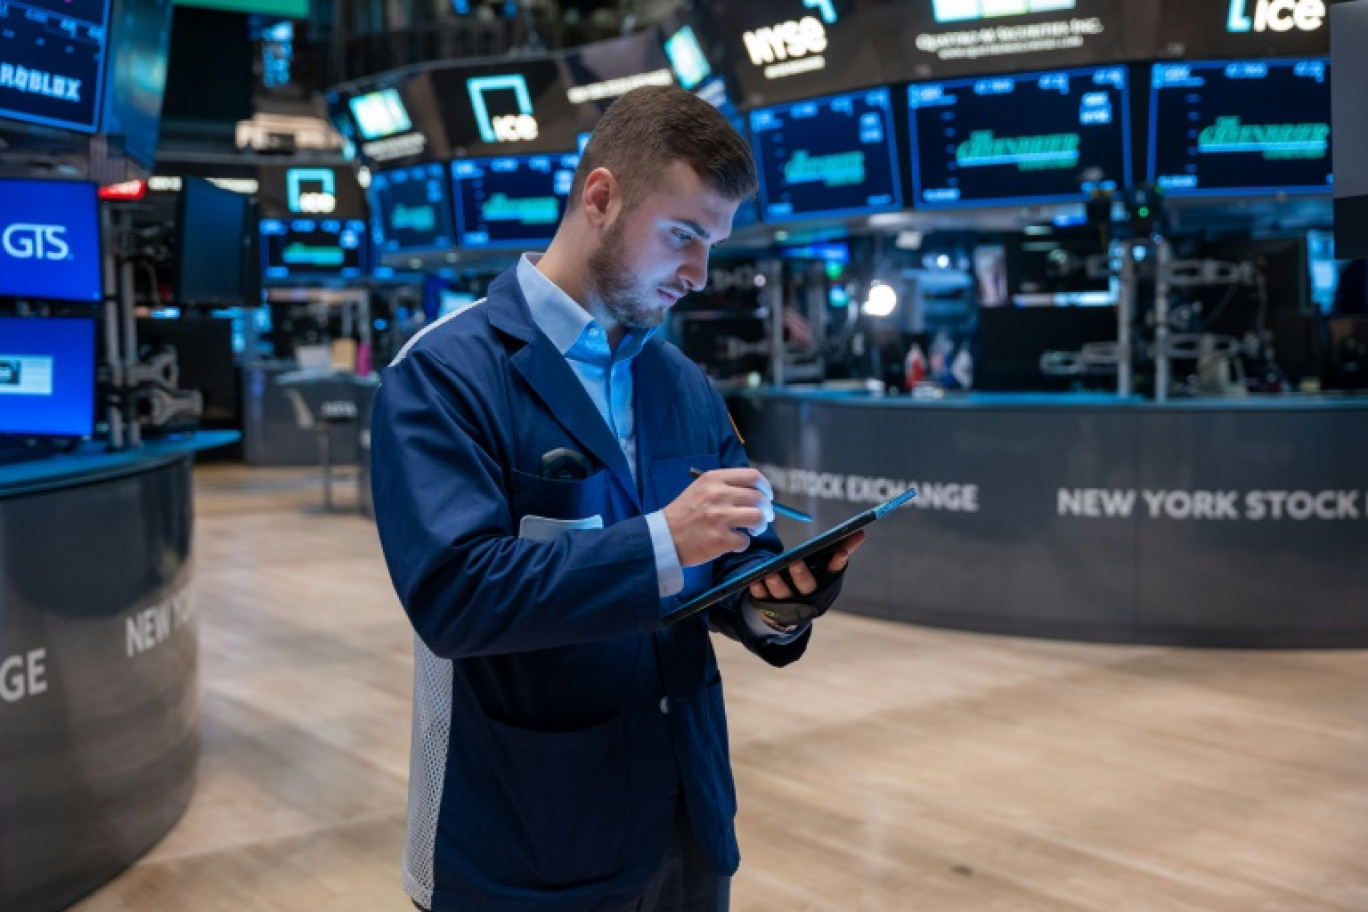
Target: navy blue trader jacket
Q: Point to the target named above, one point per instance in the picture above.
(555, 720)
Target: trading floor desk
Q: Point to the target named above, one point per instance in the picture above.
(99, 696)
(1234, 522)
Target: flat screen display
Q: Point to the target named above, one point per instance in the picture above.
(1242, 29)
(47, 376)
(136, 85)
(215, 226)
(380, 114)
(520, 107)
(1240, 127)
(308, 248)
(687, 59)
(785, 50)
(1040, 137)
(52, 61)
(50, 241)
(511, 202)
(412, 208)
(936, 39)
(827, 157)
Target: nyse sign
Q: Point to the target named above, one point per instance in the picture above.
(1276, 16)
(793, 46)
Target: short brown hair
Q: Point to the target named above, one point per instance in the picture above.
(650, 128)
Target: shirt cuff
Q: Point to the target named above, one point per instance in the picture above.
(758, 626)
(669, 573)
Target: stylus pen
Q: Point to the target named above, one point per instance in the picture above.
(778, 507)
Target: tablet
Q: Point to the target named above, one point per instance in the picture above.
(812, 548)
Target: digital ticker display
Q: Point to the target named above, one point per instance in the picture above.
(297, 248)
(47, 376)
(1041, 137)
(514, 201)
(413, 209)
(826, 157)
(52, 61)
(1241, 127)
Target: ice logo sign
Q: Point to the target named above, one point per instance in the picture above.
(520, 127)
(1276, 16)
(311, 190)
(35, 242)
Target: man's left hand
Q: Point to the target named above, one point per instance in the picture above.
(775, 588)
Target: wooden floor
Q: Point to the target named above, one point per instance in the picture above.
(894, 768)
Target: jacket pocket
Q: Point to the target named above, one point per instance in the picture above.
(555, 498)
(565, 810)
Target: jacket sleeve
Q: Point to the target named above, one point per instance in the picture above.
(726, 618)
(469, 585)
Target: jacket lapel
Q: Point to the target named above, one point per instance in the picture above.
(655, 380)
(554, 382)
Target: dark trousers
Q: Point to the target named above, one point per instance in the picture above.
(686, 880)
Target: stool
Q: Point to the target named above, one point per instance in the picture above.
(331, 415)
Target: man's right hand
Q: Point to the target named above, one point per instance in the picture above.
(712, 516)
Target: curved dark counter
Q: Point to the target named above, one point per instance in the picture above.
(99, 696)
(1236, 522)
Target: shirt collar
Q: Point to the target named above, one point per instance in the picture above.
(569, 326)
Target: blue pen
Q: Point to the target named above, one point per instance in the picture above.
(778, 507)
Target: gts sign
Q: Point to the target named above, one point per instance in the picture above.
(35, 242)
(1276, 16)
(791, 39)
(520, 127)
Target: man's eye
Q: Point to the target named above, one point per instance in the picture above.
(682, 236)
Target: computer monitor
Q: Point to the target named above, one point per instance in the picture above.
(140, 41)
(294, 249)
(1236, 128)
(50, 241)
(54, 62)
(829, 156)
(412, 209)
(215, 240)
(515, 201)
(47, 376)
(687, 59)
(1034, 138)
(380, 114)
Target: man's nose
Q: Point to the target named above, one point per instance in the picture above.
(693, 274)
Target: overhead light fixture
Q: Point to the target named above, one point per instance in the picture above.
(883, 300)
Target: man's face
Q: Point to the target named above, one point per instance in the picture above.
(655, 254)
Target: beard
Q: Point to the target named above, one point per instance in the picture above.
(618, 293)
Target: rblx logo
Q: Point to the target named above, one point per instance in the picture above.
(35, 242)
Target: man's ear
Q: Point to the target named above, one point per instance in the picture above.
(602, 197)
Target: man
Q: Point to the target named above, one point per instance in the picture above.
(533, 471)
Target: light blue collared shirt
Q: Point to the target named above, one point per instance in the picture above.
(607, 377)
